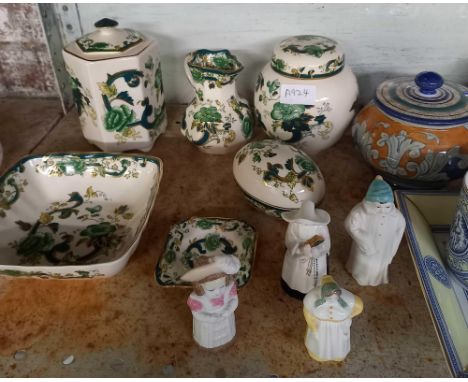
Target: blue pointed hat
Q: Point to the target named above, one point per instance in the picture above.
(379, 191)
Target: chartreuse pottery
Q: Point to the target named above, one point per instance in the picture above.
(217, 120)
(316, 64)
(206, 236)
(74, 215)
(428, 217)
(415, 131)
(277, 177)
(116, 82)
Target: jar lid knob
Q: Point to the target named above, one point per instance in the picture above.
(429, 82)
(106, 23)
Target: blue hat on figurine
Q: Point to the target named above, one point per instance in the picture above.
(379, 191)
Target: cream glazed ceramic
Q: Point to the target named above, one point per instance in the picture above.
(328, 310)
(376, 227)
(312, 61)
(307, 247)
(117, 87)
(74, 215)
(213, 300)
(277, 177)
(206, 236)
(217, 121)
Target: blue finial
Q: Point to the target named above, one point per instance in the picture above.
(429, 82)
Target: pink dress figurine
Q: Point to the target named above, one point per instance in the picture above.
(213, 300)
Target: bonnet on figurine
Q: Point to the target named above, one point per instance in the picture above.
(227, 264)
(307, 214)
(328, 288)
(379, 191)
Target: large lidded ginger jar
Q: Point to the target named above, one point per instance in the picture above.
(305, 94)
(415, 131)
(117, 87)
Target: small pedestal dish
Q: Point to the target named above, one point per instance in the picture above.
(203, 236)
(305, 94)
(415, 131)
(74, 215)
(117, 85)
(277, 177)
(217, 120)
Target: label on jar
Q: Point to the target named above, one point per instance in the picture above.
(298, 94)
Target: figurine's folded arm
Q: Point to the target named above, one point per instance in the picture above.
(311, 320)
(353, 227)
(231, 306)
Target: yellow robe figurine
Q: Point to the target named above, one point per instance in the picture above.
(328, 311)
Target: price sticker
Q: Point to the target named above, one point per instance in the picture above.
(298, 94)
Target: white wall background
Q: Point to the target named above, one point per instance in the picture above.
(380, 40)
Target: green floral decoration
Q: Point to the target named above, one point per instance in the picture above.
(35, 243)
(247, 128)
(278, 64)
(204, 224)
(286, 112)
(118, 118)
(207, 114)
(197, 75)
(98, 230)
(305, 164)
(212, 242)
(72, 167)
(224, 63)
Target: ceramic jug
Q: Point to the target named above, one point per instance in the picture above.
(306, 94)
(117, 87)
(218, 121)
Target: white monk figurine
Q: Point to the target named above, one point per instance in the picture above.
(376, 227)
(329, 310)
(213, 300)
(308, 244)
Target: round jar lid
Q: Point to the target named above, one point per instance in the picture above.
(108, 41)
(427, 99)
(308, 57)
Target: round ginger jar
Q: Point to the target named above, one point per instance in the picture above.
(415, 131)
(117, 87)
(306, 94)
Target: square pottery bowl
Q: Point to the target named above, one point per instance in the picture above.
(206, 236)
(74, 215)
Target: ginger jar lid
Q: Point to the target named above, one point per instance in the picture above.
(108, 41)
(426, 99)
(308, 57)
